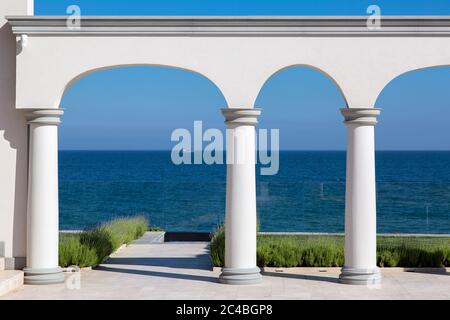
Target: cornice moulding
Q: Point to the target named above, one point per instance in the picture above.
(232, 25)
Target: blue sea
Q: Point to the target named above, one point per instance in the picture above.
(307, 194)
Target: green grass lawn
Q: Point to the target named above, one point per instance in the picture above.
(92, 246)
(328, 251)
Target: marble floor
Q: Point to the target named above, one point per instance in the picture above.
(182, 270)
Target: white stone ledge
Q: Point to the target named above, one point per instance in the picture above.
(233, 25)
(337, 270)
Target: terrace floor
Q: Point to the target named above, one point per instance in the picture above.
(182, 270)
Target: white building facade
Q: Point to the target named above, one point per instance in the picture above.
(40, 57)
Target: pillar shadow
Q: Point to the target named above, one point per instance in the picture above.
(201, 262)
(152, 273)
(300, 276)
(437, 271)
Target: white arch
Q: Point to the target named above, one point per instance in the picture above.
(100, 69)
(323, 72)
(407, 73)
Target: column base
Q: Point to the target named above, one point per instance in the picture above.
(240, 276)
(371, 276)
(43, 276)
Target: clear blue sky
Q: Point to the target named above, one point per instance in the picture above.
(137, 107)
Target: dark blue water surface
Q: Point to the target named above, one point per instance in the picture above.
(307, 194)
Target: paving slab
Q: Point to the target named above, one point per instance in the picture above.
(151, 237)
(10, 280)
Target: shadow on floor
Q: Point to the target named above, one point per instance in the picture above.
(301, 276)
(201, 262)
(159, 274)
(437, 271)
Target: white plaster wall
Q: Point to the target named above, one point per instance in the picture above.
(239, 66)
(13, 142)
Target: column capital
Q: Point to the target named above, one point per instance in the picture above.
(363, 116)
(241, 116)
(44, 116)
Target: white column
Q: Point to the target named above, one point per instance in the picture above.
(240, 216)
(42, 211)
(360, 198)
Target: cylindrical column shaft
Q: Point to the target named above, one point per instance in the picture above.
(360, 198)
(42, 213)
(240, 216)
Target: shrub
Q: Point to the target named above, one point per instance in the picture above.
(218, 247)
(99, 240)
(91, 247)
(388, 258)
(328, 251)
(263, 256)
(73, 252)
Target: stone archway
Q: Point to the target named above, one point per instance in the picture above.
(238, 54)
